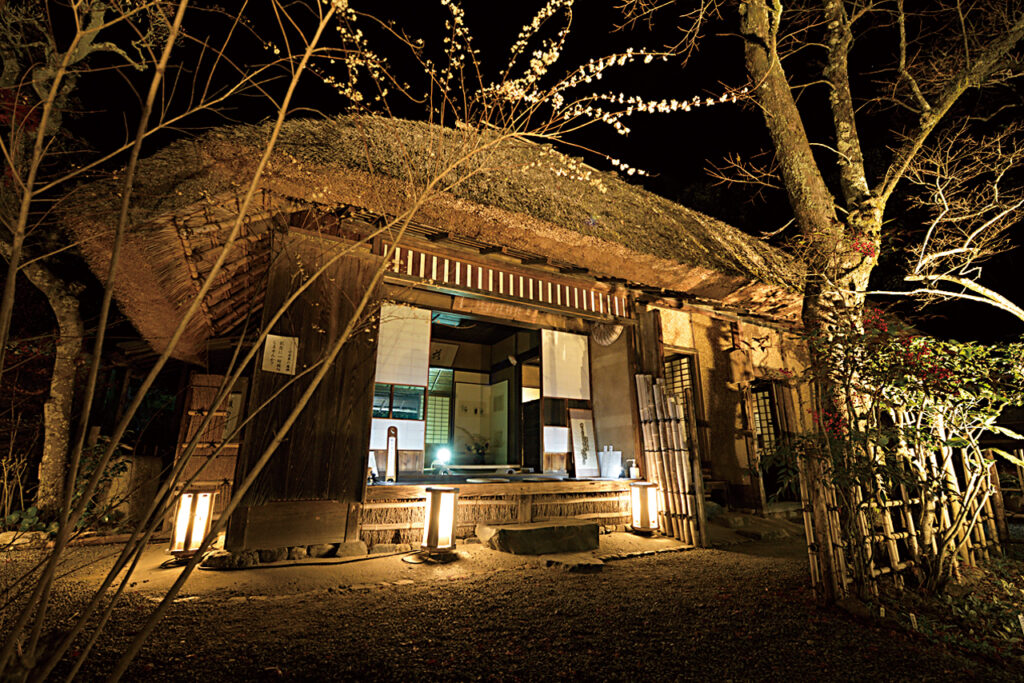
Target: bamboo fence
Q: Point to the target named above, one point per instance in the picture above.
(890, 531)
(671, 462)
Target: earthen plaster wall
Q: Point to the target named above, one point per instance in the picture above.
(731, 355)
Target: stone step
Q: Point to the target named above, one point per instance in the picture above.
(540, 538)
(731, 520)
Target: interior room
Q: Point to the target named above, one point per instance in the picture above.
(457, 395)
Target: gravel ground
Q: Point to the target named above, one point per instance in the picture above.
(739, 614)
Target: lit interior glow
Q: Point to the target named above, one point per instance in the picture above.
(181, 522)
(644, 504)
(439, 518)
(191, 521)
(444, 521)
(201, 520)
(444, 455)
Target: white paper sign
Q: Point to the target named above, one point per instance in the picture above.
(280, 354)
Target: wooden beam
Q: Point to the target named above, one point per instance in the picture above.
(491, 250)
(612, 279)
(533, 260)
(572, 269)
(438, 236)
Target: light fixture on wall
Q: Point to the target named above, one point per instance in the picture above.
(191, 522)
(644, 504)
(439, 520)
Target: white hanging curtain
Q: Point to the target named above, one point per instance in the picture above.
(565, 363)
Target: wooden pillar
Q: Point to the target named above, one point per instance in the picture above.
(649, 348)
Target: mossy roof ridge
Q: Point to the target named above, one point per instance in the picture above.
(523, 177)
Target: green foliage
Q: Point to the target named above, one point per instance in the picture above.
(27, 520)
(904, 412)
(980, 616)
(117, 466)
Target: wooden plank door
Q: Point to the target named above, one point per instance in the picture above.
(311, 489)
(219, 472)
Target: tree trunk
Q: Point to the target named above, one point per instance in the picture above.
(57, 417)
(839, 255)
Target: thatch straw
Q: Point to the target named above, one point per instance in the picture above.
(510, 194)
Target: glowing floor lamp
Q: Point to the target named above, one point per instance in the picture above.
(644, 503)
(191, 522)
(440, 519)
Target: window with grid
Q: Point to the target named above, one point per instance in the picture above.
(440, 384)
(680, 378)
(766, 425)
(439, 411)
(398, 401)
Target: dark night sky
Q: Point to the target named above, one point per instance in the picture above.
(674, 148)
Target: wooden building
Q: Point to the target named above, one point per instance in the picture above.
(527, 294)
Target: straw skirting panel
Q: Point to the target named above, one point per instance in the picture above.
(400, 520)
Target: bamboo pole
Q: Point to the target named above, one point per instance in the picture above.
(889, 532)
(955, 505)
(698, 474)
(908, 523)
(684, 473)
(989, 516)
(671, 457)
(995, 505)
(654, 474)
(668, 483)
(865, 530)
(812, 552)
(836, 546)
(652, 449)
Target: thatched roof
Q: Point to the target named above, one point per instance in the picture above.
(508, 193)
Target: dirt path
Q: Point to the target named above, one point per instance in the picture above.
(739, 614)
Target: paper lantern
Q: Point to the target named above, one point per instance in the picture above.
(644, 503)
(439, 520)
(191, 522)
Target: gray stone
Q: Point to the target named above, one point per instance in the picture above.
(731, 520)
(245, 559)
(763, 534)
(540, 538)
(957, 590)
(223, 559)
(320, 550)
(350, 549)
(712, 509)
(219, 559)
(297, 553)
(273, 555)
(575, 564)
(23, 539)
